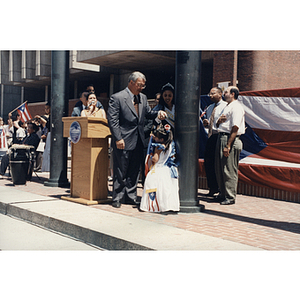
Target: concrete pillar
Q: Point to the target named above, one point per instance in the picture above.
(59, 109)
(187, 97)
(2, 100)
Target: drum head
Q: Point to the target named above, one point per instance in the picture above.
(17, 146)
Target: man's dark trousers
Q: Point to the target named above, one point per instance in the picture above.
(126, 169)
(209, 162)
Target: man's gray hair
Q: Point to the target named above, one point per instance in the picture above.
(135, 75)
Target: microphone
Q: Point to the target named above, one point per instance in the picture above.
(92, 103)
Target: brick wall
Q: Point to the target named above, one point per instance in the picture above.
(259, 70)
(222, 67)
(276, 69)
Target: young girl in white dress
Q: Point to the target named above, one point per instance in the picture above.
(161, 185)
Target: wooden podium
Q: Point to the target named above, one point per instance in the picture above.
(89, 162)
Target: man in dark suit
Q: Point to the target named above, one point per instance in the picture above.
(127, 110)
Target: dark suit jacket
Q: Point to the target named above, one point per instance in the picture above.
(123, 120)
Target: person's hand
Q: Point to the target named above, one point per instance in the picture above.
(120, 144)
(161, 115)
(222, 119)
(92, 107)
(226, 151)
(205, 122)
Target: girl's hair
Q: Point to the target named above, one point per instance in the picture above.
(163, 132)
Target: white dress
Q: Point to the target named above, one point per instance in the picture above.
(161, 188)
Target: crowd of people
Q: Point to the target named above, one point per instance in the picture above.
(142, 141)
(129, 116)
(35, 132)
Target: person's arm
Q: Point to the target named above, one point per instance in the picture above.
(222, 119)
(9, 121)
(41, 119)
(113, 114)
(103, 113)
(155, 113)
(233, 134)
(44, 133)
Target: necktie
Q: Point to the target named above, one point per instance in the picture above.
(211, 121)
(136, 104)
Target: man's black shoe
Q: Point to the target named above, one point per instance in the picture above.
(217, 198)
(227, 202)
(211, 193)
(116, 204)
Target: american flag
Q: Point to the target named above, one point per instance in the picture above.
(24, 112)
(3, 141)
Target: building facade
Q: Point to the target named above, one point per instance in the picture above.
(26, 75)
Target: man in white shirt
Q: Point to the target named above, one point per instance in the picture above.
(212, 115)
(231, 125)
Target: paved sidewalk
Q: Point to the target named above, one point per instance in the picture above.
(251, 224)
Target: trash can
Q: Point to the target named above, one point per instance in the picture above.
(20, 160)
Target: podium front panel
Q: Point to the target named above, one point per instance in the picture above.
(89, 169)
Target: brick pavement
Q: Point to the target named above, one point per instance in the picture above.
(260, 222)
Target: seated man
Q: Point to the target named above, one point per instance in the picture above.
(32, 139)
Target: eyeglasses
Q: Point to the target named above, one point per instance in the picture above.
(140, 85)
(211, 94)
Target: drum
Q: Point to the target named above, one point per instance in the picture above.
(21, 163)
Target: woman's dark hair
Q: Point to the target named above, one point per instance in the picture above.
(163, 132)
(166, 87)
(90, 93)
